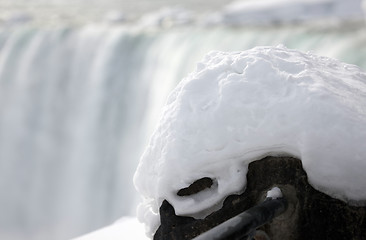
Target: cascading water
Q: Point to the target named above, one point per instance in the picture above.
(77, 107)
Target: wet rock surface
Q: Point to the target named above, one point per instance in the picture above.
(310, 214)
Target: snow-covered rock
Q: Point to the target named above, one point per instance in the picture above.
(236, 108)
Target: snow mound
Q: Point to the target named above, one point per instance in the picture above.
(239, 107)
(285, 11)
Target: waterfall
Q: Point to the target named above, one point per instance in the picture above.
(77, 106)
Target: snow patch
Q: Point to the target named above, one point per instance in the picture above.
(125, 228)
(274, 193)
(238, 107)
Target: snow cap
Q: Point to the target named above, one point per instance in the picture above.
(237, 107)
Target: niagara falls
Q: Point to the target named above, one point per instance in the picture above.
(109, 108)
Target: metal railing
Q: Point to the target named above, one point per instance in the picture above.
(244, 225)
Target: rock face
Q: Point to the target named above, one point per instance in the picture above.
(310, 214)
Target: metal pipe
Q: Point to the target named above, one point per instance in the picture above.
(242, 225)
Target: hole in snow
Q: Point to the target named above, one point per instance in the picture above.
(196, 187)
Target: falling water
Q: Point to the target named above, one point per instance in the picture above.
(77, 106)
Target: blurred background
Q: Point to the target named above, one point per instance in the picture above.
(82, 83)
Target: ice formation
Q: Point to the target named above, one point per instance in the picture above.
(239, 107)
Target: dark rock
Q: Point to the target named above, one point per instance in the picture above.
(310, 214)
